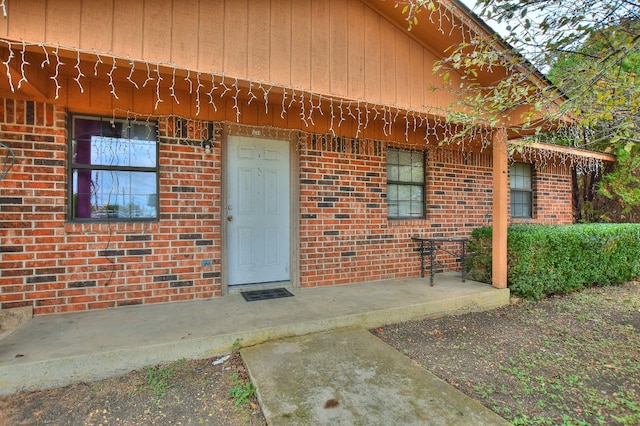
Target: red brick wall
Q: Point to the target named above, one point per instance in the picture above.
(552, 195)
(345, 234)
(57, 266)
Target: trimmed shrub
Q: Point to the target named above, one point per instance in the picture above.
(544, 259)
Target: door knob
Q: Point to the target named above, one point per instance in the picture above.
(229, 218)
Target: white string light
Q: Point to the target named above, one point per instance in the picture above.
(6, 64)
(213, 88)
(252, 96)
(188, 79)
(266, 97)
(22, 65)
(303, 116)
(223, 84)
(149, 78)
(46, 56)
(235, 100)
(366, 112)
(198, 93)
(130, 76)
(172, 89)
(158, 80)
(284, 98)
(95, 67)
(55, 77)
(111, 83)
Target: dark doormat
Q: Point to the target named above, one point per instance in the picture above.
(271, 293)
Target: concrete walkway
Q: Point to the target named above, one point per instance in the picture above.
(57, 350)
(350, 377)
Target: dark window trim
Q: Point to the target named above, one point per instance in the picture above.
(422, 184)
(71, 166)
(529, 191)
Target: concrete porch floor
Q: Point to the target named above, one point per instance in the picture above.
(57, 350)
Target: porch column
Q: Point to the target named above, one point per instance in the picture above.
(500, 211)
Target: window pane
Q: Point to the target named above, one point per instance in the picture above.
(392, 192)
(417, 193)
(114, 194)
(393, 172)
(521, 205)
(404, 208)
(102, 151)
(392, 156)
(404, 158)
(405, 174)
(417, 173)
(520, 176)
(122, 152)
(405, 193)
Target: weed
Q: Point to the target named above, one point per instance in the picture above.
(241, 391)
(485, 390)
(159, 379)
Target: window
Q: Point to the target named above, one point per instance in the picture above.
(114, 169)
(521, 190)
(405, 184)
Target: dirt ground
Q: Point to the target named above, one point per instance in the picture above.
(181, 393)
(572, 359)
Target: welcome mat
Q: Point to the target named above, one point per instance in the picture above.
(271, 293)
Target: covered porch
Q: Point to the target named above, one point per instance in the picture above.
(55, 350)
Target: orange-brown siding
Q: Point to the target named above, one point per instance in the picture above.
(340, 48)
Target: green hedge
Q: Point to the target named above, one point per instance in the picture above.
(543, 260)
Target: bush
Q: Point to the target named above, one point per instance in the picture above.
(544, 260)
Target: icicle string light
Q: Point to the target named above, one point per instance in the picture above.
(199, 85)
(149, 78)
(23, 64)
(188, 79)
(133, 67)
(158, 81)
(210, 93)
(111, 83)
(59, 63)
(6, 64)
(172, 89)
(361, 111)
(235, 100)
(95, 67)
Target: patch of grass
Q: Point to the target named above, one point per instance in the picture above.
(241, 391)
(159, 379)
(565, 360)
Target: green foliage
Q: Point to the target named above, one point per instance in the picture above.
(241, 391)
(544, 260)
(589, 50)
(624, 181)
(479, 263)
(160, 379)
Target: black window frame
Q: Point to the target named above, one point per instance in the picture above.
(73, 166)
(422, 185)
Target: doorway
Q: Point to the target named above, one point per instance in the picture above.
(258, 205)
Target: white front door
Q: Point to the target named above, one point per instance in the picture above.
(258, 215)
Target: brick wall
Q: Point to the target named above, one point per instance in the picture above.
(345, 234)
(552, 195)
(56, 265)
(59, 266)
